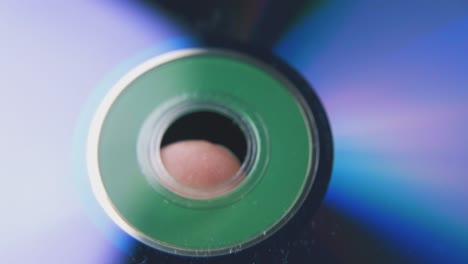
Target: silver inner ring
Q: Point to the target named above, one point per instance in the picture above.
(149, 154)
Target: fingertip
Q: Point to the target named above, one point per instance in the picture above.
(199, 163)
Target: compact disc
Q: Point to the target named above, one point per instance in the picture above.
(391, 78)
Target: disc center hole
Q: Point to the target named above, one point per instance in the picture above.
(204, 149)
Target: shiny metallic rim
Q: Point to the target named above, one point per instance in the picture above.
(106, 104)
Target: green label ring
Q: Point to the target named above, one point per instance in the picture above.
(279, 170)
